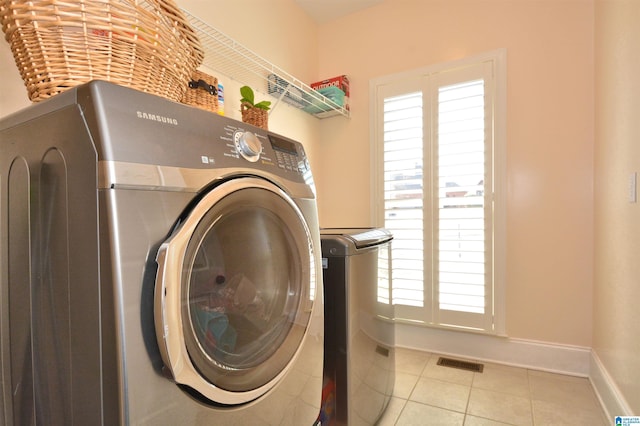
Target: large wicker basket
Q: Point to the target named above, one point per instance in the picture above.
(257, 116)
(202, 92)
(144, 44)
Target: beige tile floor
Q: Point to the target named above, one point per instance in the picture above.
(427, 394)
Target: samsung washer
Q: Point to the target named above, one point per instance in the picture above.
(160, 266)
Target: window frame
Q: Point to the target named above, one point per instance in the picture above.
(424, 79)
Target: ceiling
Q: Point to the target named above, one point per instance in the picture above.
(323, 11)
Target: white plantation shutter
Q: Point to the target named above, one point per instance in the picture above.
(403, 164)
(463, 257)
(435, 185)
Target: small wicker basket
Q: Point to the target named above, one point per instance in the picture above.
(58, 44)
(257, 116)
(202, 92)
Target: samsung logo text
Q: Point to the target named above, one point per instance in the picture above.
(158, 118)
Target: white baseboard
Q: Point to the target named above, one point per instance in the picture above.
(608, 393)
(564, 359)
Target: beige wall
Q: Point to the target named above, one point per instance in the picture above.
(617, 222)
(550, 136)
(13, 94)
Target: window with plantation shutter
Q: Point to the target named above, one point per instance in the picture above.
(438, 165)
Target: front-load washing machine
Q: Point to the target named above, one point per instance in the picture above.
(160, 265)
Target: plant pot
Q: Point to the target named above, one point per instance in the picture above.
(256, 116)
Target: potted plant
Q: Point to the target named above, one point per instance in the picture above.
(252, 112)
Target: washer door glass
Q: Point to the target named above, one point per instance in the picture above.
(244, 300)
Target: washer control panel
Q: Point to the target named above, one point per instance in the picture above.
(265, 150)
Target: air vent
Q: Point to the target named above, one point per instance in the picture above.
(462, 365)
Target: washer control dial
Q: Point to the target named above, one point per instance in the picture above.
(248, 145)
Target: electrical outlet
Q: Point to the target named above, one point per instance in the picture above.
(633, 183)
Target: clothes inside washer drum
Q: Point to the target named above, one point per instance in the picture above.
(213, 329)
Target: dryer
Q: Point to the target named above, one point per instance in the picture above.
(160, 265)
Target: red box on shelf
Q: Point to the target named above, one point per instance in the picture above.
(341, 82)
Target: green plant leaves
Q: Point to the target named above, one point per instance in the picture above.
(248, 96)
(263, 105)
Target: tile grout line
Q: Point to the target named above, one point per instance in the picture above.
(466, 409)
(406, 401)
(533, 416)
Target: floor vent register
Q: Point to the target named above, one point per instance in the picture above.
(462, 365)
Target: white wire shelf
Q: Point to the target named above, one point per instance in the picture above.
(233, 60)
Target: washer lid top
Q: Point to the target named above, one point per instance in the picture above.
(359, 237)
